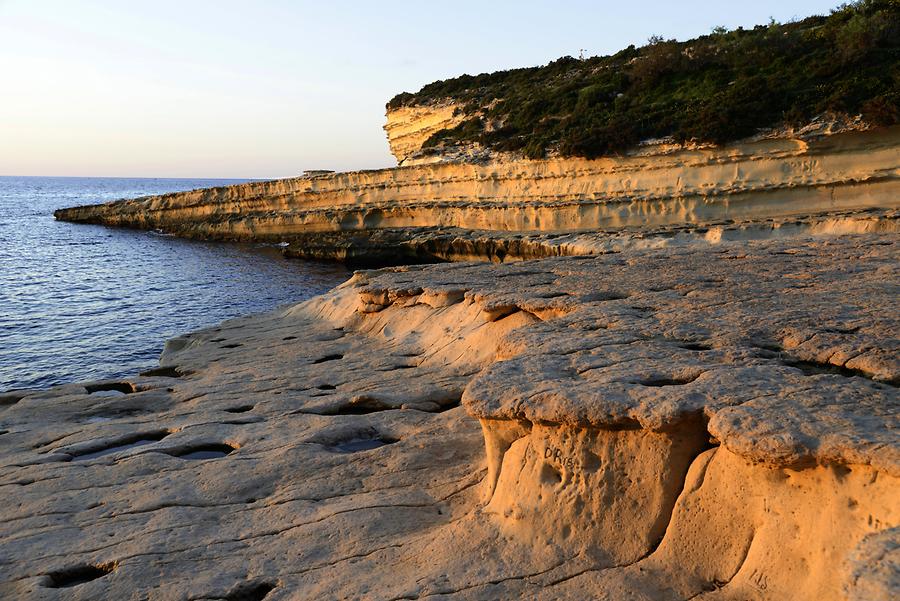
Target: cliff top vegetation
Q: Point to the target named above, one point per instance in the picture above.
(716, 88)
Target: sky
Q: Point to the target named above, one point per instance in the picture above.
(270, 88)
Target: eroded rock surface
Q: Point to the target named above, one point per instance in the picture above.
(407, 128)
(692, 422)
(337, 215)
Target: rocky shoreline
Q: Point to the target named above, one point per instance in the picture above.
(669, 375)
(685, 422)
(350, 215)
(405, 246)
(628, 332)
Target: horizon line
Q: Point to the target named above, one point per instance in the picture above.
(146, 177)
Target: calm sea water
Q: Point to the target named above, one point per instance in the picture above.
(80, 302)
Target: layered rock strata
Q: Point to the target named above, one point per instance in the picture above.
(679, 423)
(762, 179)
(408, 128)
(401, 246)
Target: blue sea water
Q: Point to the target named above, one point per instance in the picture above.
(81, 302)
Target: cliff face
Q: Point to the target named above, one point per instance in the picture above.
(662, 187)
(407, 128)
(721, 88)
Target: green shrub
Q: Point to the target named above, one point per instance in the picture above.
(718, 88)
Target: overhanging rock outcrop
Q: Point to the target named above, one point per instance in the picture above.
(409, 127)
(694, 422)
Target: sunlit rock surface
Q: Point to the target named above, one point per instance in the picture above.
(408, 128)
(692, 422)
(368, 213)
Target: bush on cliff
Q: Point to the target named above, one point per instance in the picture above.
(717, 88)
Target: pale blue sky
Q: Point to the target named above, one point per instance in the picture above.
(269, 88)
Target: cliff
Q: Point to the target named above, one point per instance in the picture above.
(655, 188)
(718, 88)
(408, 128)
(731, 128)
(664, 424)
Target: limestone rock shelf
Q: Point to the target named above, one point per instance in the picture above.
(656, 188)
(679, 423)
(401, 246)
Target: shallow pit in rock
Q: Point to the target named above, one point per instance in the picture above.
(695, 346)
(326, 358)
(644, 311)
(251, 591)
(357, 445)
(111, 388)
(674, 381)
(815, 368)
(358, 405)
(166, 371)
(78, 575)
(11, 398)
(397, 366)
(122, 444)
(443, 406)
(240, 409)
(206, 451)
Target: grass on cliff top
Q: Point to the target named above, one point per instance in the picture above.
(717, 88)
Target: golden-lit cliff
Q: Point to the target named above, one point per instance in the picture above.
(656, 186)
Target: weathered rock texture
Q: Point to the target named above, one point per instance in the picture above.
(687, 423)
(763, 179)
(407, 128)
(400, 246)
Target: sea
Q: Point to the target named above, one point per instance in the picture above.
(88, 302)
